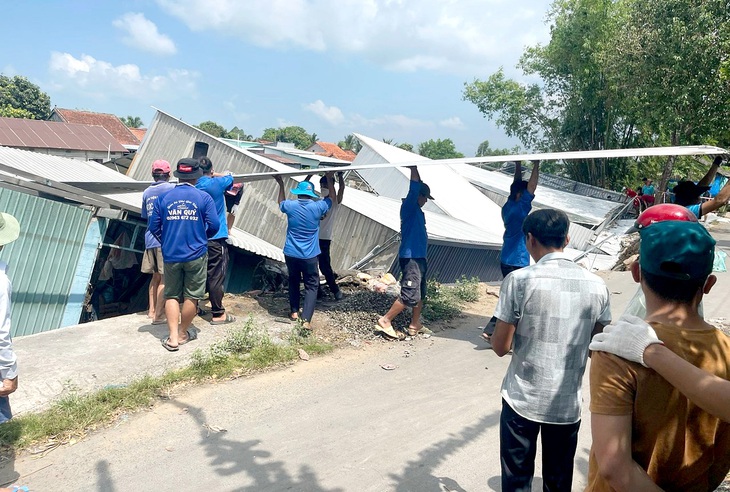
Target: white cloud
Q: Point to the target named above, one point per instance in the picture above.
(331, 114)
(471, 37)
(142, 34)
(454, 123)
(103, 80)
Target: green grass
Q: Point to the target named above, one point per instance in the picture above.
(242, 350)
(445, 302)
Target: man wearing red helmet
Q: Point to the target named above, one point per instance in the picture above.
(646, 435)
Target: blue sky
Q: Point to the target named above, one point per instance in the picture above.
(384, 68)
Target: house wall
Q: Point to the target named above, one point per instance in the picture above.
(43, 262)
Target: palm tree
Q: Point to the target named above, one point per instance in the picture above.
(132, 121)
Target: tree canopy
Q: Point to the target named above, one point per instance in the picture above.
(20, 98)
(618, 74)
(291, 134)
(439, 149)
(132, 121)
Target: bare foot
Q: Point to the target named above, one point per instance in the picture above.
(385, 323)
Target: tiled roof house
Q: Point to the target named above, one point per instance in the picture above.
(332, 150)
(109, 121)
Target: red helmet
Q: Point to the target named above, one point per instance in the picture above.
(660, 213)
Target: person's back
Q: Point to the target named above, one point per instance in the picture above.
(562, 303)
(681, 446)
(187, 215)
(638, 418)
(302, 230)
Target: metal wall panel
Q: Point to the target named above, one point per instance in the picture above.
(447, 264)
(43, 260)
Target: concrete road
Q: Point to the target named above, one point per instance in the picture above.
(336, 423)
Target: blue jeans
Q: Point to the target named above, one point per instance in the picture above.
(5, 413)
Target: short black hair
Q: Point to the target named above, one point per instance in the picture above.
(160, 176)
(205, 163)
(548, 226)
(517, 187)
(673, 289)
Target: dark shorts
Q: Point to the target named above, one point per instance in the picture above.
(152, 261)
(187, 279)
(507, 269)
(413, 280)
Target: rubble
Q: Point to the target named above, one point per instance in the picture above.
(629, 252)
(358, 313)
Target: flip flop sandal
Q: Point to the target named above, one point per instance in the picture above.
(229, 319)
(161, 322)
(166, 344)
(192, 335)
(390, 333)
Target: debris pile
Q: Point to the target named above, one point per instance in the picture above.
(358, 313)
(629, 252)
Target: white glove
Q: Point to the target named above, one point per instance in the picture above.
(627, 338)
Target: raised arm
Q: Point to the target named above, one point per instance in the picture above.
(518, 172)
(340, 187)
(707, 178)
(331, 185)
(532, 183)
(414, 173)
(717, 201)
(281, 197)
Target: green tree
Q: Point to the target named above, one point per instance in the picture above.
(19, 93)
(291, 134)
(11, 112)
(405, 146)
(484, 149)
(132, 121)
(212, 128)
(350, 143)
(236, 133)
(439, 149)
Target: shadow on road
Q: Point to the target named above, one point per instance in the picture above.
(104, 483)
(229, 458)
(419, 473)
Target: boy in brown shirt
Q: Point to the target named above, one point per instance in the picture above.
(646, 434)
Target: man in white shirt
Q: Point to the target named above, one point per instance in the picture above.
(547, 314)
(9, 232)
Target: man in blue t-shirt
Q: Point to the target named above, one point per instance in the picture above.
(152, 261)
(514, 253)
(183, 220)
(687, 193)
(302, 244)
(216, 186)
(412, 259)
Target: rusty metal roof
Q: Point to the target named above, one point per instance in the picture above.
(36, 134)
(111, 122)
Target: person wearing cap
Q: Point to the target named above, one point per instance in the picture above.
(152, 261)
(301, 248)
(646, 434)
(412, 260)
(183, 220)
(9, 232)
(514, 253)
(546, 314)
(216, 186)
(687, 193)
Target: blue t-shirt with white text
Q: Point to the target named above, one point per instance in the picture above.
(216, 186)
(414, 239)
(514, 248)
(149, 197)
(302, 230)
(183, 220)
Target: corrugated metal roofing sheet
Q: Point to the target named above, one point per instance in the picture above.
(43, 260)
(453, 194)
(110, 122)
(583, 209)
(18, 132)
(66, 170)
(441, 228)
(249, 242)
